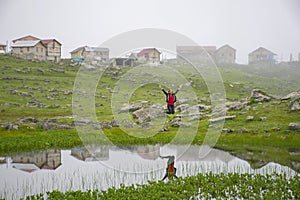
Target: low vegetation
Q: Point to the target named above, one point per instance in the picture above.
(202, 186)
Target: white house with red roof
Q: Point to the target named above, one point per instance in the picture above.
(149, 55)
(22, 47)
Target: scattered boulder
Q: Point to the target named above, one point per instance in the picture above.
(292, 95)
(146, 114)
(263, 118)
(28, 120)
(10, 126)
(226, 130)
(294, 126)
(40, 70)
(130, 108)
(222, 118)
(250, 118)
(235, 105)
(12, 92)
(52, 126)
(259, 96)
(178, 123)
(164, 129)
(295, 104)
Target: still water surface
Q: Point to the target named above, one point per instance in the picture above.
(77, 169)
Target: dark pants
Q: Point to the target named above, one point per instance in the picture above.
(170, 109)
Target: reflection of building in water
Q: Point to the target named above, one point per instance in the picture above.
(194, 153)
(92, 153)
(148, 152)
(31, 161)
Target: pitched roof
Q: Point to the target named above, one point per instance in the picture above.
(28, 37)
(26, 43)
(46, 41)
(77, 49)
(95, 49)
(226, 46)
(263, 49)
(146, 51)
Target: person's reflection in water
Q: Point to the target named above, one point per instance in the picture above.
(171, 170)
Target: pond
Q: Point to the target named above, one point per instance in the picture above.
(37, 172)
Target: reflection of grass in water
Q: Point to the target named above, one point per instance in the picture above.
(215, 173)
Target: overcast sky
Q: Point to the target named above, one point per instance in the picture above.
(243, 24)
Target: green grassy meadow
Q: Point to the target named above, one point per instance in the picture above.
(44, 90)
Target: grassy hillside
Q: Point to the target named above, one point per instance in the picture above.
(44, 91)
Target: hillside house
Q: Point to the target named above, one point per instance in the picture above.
(195, 53)
(77, 53)
(3, 48)
(53, 47)
(29, 49)
(225, 54)
(91, 54)
(261, 56)
(149, 55)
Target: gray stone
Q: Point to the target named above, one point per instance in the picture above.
(40, 70)
(178, 123)
(164, 129)
(292, 95)
(28, 120)
(295, 104)
(226, 130)
(259, 96)
(130, 108)
(294, 126)
(263, 118)
(222, 118)
(10, 126)
(13, 92)
(234, 105)
(250, 118)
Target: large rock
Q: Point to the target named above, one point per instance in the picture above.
(146, 114)
(178, 123)
(295, 104)
(28, 120)
(294, 126)
(52, 126)
(259, 96)
(222, 118)
(292, 95)
(235, 105)
(130, 108)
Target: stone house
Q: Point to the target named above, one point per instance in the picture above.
(91, 54)
(261, 56)
(29, 49)
(77, 53)
(195, 53)
(3, 48)
(225, 54)
(52, 52)
(149, 55)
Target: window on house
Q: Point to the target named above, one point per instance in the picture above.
(37, 49)
(21, 50)
(53, 44)
(42, 49)
(28, 49)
